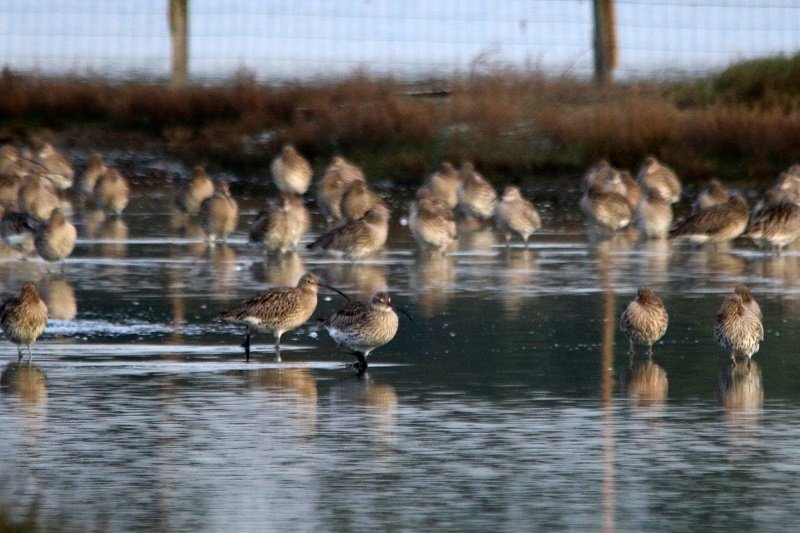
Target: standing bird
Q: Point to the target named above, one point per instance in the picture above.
(476, 196)
(195, 191)
(329, 197)
(515, 214)
(24, 318)
(56, 240)
(348, 171)
(432, 222)
(359, 238)
(645, 320)
(94, 170)
(364, 327)
(714, 194)
(776, 225)
(748, 301)
(278, 310)
(55, 165)
(716, 224)
(738, 329)
(357, 200)
(653, 215)
(291, 172)
(444, 184)
(112, 192)
(219, 214)
(282, 224)
(654, 175)
(38, 197)
(609, 210)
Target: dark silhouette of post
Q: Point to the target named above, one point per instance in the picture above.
(605, 40)
(179, 33)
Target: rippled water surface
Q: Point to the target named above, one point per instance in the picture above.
(508, 404)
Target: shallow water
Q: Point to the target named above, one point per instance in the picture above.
(508, 404)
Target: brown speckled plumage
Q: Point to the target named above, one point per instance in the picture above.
(432, 223)
(738, 328)
(56, 241)
(644, 320)
(55, 166)
(219, 214)
(281, 226)
(195, 191)
(476, 196)
(24, 318)
(718, 223)
(653, 215)
(654, 175)
(776, 225)
(359, 238)
(364, 327)
(95, 168)
(444, 184)
(357, 200)
(278, 310)
(329, 197)
(714, 194)
(348, 171)
(112, 192)
(609, 210)
(291, 173)
(515, 214)
(38, 197)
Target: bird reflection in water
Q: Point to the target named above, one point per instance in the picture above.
(519, 274)
(646, 383)
(379, 398)
(433, 280)
(59, 296)
(28, 383)
(473, 236)
(365, 279)
(223, 270)
(740, 389)
(296, 389)
(282, 270)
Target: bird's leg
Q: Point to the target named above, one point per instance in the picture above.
(361, 365)
(650, 351)
(278, 346)
(246, 346)
(19, 353)
(30, 355)
(631, 349)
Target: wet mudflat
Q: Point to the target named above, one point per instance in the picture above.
(510, 403)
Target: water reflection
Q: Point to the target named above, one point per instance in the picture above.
(475, 238)
(283, 270)
(362, 280)
(646, 382)
(27, 381)
(59, 295)
(740, 389)
(433, 279)
(381, 399)
(298, 388)
(519, 274)
(223, 270)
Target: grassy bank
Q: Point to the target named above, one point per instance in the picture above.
(741, 124)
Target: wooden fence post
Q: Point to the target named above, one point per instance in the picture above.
(605, 40)
(179, 33)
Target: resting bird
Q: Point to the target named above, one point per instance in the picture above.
(653, 215)
(359, 238)
(644, 320)
(476, 196)
(609, 210)
(716, 224)
(291, 172)
(432, 222)
(282, 224)
(738, 328)
(515, 214)
(776, 225)
(654, 175)
(24, 318)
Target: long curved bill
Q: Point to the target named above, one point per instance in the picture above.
(334, 289)
(403, 311)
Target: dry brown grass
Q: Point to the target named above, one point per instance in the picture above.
(508, 123)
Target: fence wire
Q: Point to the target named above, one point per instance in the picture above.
(301, 39)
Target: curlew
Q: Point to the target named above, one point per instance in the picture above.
(716, 224)
(282, 224)
(19, 231)
(432, 222)
(644, 320)
(654, 175)
(329, 197)
(219, 214)
(515, 214)
(609, 210)
(364, 327)
(476, 196)
(24, 318)
(357, 200)
(278, 310)
(112, 192)
(714, 194)
(348, 171)
(54, 165)
(56, 240)
(776, 225)
(192, 194)
(653, 215)
(291, 172)
(738, 328)
(443, 184)
(94, 169)
(359, 238)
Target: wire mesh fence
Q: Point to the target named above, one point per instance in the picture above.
(302, 39)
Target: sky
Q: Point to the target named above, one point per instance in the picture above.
(300, 39)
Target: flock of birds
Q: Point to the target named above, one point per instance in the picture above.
(34, 220)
